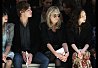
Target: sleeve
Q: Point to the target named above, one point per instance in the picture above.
(10, 28)
(63, 32)
(89, 37)
(44, 33)
(70, 33)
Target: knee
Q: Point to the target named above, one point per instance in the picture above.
(9, 62)
(17, 59)
(46, 60)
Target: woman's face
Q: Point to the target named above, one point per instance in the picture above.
(27, 13)
(83, 16)
(4, 19)
(54, 17)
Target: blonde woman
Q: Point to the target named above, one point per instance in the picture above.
(53, 36)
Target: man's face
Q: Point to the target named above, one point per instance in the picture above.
(47, 3)
(27, 13)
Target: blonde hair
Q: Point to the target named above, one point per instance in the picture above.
(48, 14)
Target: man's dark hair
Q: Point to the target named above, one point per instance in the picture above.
(22, 6)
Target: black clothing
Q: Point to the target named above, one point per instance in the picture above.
(54, 38)
(80, 38)
(34, 38)
(25, 37)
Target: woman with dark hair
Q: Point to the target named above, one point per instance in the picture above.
(79, 33)
(7, 36)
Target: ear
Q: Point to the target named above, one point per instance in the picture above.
(21, 12)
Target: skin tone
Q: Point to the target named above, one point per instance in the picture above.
(24, 20)
(47, 3)
(81, 20)
(66, 9)
(25, 15)
(55, 16)
(7, 49)
(54, 19)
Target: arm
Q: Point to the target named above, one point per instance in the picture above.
(85, 48)
(75, 48)
(65, 46)
(53, 51)
(88, 41)
(10, 33)
(7, 49)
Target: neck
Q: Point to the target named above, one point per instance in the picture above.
(54, 28)
(24, 20)
(79, 22)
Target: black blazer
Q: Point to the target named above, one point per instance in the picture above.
(34, 37)
(54, 38)
(82, 38)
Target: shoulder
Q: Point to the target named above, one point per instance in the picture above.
(87, 25)
(10, 26)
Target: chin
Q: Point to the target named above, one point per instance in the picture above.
(30, 16)
(5, 21)
(83, 21)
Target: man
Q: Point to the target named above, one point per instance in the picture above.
(26, 38)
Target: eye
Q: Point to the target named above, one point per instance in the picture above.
(56, 15)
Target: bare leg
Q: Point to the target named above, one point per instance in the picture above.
(8, 63)
(3, 65)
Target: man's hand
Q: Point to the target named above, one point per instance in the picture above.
(27, 57)
(30, 58)
(24, 55)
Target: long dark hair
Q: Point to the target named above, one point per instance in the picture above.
(4, 11)
(73, 22)
(76, 15)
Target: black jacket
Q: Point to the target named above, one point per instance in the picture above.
(34, 37)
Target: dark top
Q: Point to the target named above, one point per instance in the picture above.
(54, 38)
(82, 38)
(33, 35)
(25, 37)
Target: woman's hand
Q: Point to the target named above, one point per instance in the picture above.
(82, 51)
(80, 55)
(4, 56)
(59, 55)
(64, 57)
